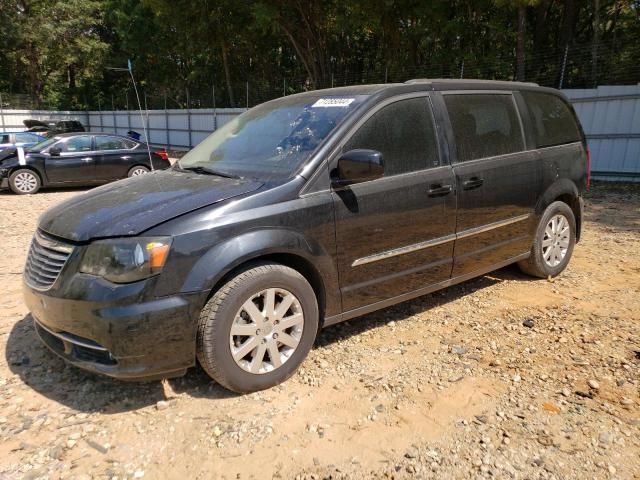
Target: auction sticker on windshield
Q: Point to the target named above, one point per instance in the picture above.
(333, 102)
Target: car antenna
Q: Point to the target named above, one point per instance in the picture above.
(135, 88)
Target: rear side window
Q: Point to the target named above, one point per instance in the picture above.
(26, 137)
(484, 125)
(552, 119)
(113, 143)
(4, 138)
(404, 133)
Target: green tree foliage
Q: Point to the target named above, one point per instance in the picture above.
(62, 52)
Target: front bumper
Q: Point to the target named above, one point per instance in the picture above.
(123, 337)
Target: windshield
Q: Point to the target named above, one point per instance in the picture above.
(272, 140)
(38, 147)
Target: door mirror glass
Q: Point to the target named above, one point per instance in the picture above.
(359, 165)
(54, 151)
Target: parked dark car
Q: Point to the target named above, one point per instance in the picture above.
(19, 139)
(77, 160)
(50, 128)
(303, 212)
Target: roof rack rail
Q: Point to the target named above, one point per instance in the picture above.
(465, 80)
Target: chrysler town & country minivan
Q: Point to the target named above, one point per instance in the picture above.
(303, 212)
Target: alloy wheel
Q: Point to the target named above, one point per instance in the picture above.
(25, 182)
(555, 244)
(266, 330)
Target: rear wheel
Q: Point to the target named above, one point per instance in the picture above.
(24, 181)
(257, 329)
(553, 243)
(137, 170)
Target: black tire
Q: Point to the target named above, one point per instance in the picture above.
(536, 265)
(218, 315)
(133, 171)
(24, 182)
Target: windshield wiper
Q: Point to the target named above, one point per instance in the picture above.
(209, 171)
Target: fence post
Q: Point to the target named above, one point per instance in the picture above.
(128, 115)
(146, 111)
(462, 69)
(100, 114)
(113, 113)
(564, 65)
(215, 112)
(189, 119)
(166, 123)
(1, 112)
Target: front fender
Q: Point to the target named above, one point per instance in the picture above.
(226, 256)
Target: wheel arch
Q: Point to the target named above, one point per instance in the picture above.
(282, 246)
(563, 190)
(40, 175)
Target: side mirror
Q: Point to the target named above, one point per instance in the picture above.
(358, 165)
(54, 151)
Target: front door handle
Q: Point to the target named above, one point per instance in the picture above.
(87, 159)
(438, 190)
(473, 182)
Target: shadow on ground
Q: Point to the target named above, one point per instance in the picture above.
(50, 376)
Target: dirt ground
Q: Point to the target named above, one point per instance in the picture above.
(503, 376)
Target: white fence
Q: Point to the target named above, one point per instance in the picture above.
(610, 116)
(173, 129)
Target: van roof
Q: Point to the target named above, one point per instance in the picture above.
(426, 84)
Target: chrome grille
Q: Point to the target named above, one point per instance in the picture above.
(46, 258)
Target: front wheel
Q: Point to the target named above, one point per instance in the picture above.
(257, 329)
(24, 182)
(553, 243)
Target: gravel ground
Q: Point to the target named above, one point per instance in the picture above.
(502, 376)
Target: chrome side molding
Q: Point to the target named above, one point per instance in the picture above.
(376, 257)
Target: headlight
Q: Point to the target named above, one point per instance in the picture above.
(126, 260)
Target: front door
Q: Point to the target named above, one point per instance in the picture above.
(76, 162)
(395, 234)
(496, 180)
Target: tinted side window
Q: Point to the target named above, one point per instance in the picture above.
(404, 133)
(76, 144)
(552, 119)
(4, 138)
(484, 125)
(113, 143)
(26, 137)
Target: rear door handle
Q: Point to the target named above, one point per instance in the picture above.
(438, 190)
(473, 182)
(87, 159)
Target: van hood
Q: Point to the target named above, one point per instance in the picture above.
(131, 206)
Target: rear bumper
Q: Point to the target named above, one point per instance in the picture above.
(135, 341)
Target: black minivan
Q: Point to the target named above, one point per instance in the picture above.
(303, 212)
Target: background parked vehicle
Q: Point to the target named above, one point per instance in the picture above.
(50, 128)
(19, 139)
(74, 159)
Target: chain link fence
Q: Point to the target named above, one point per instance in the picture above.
(574, 66)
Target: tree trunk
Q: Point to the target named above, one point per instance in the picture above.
(227, 74)
(569, 21)
(520, 47)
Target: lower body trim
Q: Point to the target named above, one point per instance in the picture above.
(357, 312)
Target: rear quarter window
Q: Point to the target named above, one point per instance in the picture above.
(552, 119)
(484, 125)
